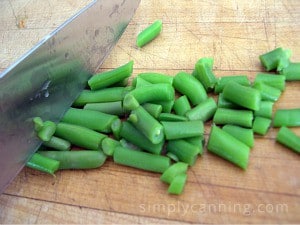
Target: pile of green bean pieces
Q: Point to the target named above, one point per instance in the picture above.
(156, 122)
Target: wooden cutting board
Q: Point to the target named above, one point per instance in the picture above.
(234, 33)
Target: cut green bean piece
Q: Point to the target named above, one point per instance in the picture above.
(58, 144)
(156, 78)
(38, 123)
(197, 141)
(80, 136)
(147, 124)
(204, 73)
(172, 156)
(140, 82)
(91, 119)
(261, 125)
(224, 103)
(181, 105)
(245, 135)
(116, 127)
(177, 185)
(228, 147)
(287, 117)
(188, 85)
(43, 163)
(184, 151)
(185, 129)
(153, 93)
(108, 78)
(275, 59)
(154, 109)
(265, 109)
(114, 108)
(247, 97)
(130, 102)
(141, 160)
(288, 138)
(166, 105)
(149, 33)
(130, 133)
(104, 95)
(127, 144)
(222, 81)
(276, 81)
(233, 116)
(291, 72)
(83, 159)
(171, 117)
(109, 145)
(268, 93)
(47, 130)
(173, 171)
(203, 111)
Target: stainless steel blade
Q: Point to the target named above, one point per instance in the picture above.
(47, 79)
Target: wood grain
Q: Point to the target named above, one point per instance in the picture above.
(235, 33)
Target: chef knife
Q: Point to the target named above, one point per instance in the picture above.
(46, 80)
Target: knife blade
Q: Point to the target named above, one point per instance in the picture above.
(47, 79)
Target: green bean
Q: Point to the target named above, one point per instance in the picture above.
(116, 127)
(47, 130)
(94, 120)
(130, 102)
(172, 156)
(58, 144)
(108, 78)
(198, 141)
(149, 33)
(173, 171)
(276, 81)
(275, 59)
(156, 78)
(80, 136)
(224, 103)
(104, 95)
(228, 147)
(147, 124)
(109, 145)
(166, 105)
(222, 81)
(291, 72)
(245, 135)
(140, 82)
(247, 97)
(185, 129)
(288, 138)
(287, 117)
(181, 105)
(114, 108)
(153, 109)
(261, 125)
(131, 134)
(171, 117)
(188, 85)
(177, 185)
(141, 160)
(268, 93)
(153, 93)
(42, 163)
(184, 151)
(204, 73)
(83, 159)
(127, 144)
(203, 111)
(38, 123)
(232, 116)
(265, 109)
